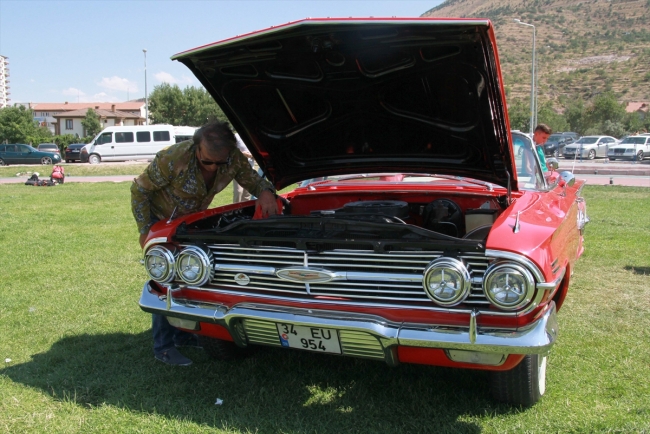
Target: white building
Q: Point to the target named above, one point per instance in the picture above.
(4, 81)
(69, 122)
(46, 113)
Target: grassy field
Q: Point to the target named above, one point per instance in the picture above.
(76, 351)
(75, 169)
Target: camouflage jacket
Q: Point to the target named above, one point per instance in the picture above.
(173, 180)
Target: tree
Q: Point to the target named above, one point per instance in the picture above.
(166, 105)
(576, 116)
(605, 107)
(91, 123)
(17, 125)
(547, 115)
(519, 115)
(192, 106)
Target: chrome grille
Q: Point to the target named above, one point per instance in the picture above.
(394, 277)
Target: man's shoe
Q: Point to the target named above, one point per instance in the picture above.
(192, 341)
(173, 357)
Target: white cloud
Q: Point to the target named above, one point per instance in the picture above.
(117, 83)
(166, 77)
(104, 97)
(72, 91)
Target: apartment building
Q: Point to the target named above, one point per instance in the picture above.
(4, 81)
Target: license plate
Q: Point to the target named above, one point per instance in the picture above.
(309, 338)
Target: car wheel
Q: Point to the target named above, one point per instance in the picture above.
(218, 349)
(2, 162)
(94, 159)
(556, 153)
(639, 156)
(612, 159)
(591, 155)
(523, 385)
(68, 161)
(46, 160)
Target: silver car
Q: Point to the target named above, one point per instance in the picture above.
(589, 147)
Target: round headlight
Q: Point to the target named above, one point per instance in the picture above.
(193, 266)
(508, 286)
(447, 281)
(159, 262)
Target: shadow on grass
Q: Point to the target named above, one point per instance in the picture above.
(275, 390)
(638, 270)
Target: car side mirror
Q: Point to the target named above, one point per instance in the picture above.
(552, 164)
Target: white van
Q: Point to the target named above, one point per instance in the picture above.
(138, 142)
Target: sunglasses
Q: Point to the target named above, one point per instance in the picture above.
(212, 163)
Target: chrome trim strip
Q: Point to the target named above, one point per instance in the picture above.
(554, 283)
(517, 258)
(537, 338)
(157, 240)
(249, 269)
(356, 303)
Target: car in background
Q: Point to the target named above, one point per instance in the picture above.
(26, 154)
(631, 148)
(49, 147)
(589, 147)
(556, 142)
(457, 253)
(72, 152)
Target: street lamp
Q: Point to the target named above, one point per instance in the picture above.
(533, 102)
(146, 98)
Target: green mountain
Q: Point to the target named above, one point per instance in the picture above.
(583, 48)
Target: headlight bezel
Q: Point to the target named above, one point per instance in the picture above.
(452, 266)
(501, 267)
(204, 274)
(167, 255)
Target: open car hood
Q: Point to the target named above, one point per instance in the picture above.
(321, 97)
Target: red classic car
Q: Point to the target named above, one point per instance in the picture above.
(431, 235)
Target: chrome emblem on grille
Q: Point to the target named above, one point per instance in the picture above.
(242, 279)
(305, 275)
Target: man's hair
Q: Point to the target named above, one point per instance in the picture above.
(544, 128)
(216, 135)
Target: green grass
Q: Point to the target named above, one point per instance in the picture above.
(82, 361)
(74, 169)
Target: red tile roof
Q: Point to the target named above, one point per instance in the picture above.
(58, 106)
(102, 113)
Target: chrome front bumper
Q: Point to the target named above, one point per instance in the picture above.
(362, 334)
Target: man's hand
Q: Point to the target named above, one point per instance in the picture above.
(267, 204)
(143, 238)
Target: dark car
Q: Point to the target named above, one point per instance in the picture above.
(25, 154)
(556, 142)
(432, 241)
(72, 152)
(49, 147)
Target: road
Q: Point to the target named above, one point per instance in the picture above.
(595, 172)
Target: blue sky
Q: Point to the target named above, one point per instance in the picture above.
(91, 50)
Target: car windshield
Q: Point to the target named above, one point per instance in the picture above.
(587, 140)
(633, 141)
(553, 138)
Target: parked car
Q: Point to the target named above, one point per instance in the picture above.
(464, 262)
(49, 147)
(72, 152)
(26, 154)
(631, 148)
(556, 142)
(590, 147)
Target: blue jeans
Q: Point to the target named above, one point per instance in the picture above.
(165, 336)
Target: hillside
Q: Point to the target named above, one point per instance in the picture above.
(583, 47)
